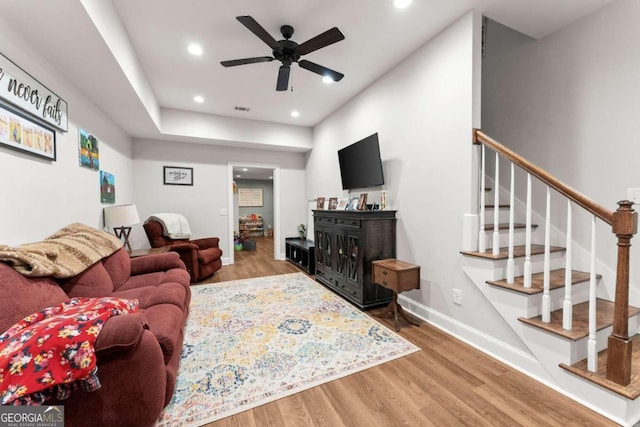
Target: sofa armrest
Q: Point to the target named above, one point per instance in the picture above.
(155, 262)
(121, 333)
(206, 243)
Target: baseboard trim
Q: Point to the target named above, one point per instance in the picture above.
(509, 355)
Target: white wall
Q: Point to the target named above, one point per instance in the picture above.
(423, 113)
(569, 103)
(202, 202)
(39, 196)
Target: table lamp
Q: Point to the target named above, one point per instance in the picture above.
(120, 218)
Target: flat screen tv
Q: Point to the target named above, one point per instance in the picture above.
(360, 164)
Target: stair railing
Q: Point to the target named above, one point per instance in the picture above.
(624, 223)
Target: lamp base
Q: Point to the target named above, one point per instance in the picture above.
(121, 232)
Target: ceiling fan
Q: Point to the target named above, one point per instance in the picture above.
(287, 51)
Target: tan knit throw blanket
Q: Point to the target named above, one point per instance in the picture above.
(64, 254)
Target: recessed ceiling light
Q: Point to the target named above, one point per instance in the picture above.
(327, 80)
(195, 49)
(199, 99)
(270, 177)
(244, 169)
(401, 4)
(295, 114)
(238, 176)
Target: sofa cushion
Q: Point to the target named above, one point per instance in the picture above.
(206, 256)
(118, 266)
(21, 296)
(91, 283)
(165, 293)
(165, 322)
(156, 279)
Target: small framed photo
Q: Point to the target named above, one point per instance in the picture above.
(353, 204)
(362, 202)
(320, 203)
(333, 203)
(342, 204)
(174, 175)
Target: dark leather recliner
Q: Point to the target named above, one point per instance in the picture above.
(201, 256)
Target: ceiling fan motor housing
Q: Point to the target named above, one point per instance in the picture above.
(287, 52)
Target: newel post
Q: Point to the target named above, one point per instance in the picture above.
(624, 225)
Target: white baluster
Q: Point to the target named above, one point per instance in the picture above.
(592, 352)
(546, 297)
(496, 210)
(482, 235)
(512, 200)
(567, 305)
(527, 255)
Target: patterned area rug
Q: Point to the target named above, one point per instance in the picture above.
(249, 342)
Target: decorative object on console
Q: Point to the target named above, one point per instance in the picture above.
(120, 218)
(353, 204)
(383, 200)
(362, 202)
(320, 203)
(107, 187)
(23, 134)
(342, 204)
(333, 203)
(88, 150)
(302, 231)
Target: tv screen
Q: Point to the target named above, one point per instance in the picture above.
(360, 164)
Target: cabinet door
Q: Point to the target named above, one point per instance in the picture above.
(320, 248)
(341, 253)
(354, 258)
(327, 236)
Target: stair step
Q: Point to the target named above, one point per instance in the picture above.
(505, 226)
(632, 391)
(556, 280)
(518, 252)
(580, 327)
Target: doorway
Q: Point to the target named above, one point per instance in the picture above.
(261, 200)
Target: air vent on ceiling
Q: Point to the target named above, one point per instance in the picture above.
(238, 108)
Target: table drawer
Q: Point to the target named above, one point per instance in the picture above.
(347, 222)
(385, 277)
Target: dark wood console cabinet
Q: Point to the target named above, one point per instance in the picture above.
(345, 243)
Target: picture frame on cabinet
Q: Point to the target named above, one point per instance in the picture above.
(320, 203)
(342, 204)
(362, 202)
(333, 203)
(353, 204)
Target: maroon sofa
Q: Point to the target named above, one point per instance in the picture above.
(137, 354)
(202, 257)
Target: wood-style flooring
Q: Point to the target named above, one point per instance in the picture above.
(447, 383)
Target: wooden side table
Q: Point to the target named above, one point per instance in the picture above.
(398, 276)
(149, 251)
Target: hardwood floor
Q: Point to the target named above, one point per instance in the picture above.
(447, 383)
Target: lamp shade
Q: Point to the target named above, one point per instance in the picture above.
(121, 215)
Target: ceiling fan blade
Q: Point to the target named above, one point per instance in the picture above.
(258, 30)
(244, 61)
(325, 39)
(319, 69)
(283, 78)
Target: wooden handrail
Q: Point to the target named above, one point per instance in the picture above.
(596, 209)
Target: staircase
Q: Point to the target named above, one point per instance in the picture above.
(581, 340)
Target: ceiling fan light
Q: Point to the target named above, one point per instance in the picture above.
(195, 49)
(401, 4)
(327, 80)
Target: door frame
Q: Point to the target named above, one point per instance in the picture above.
(276, 205)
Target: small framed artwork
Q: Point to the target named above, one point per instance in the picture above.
(333, 203)
(353, 204)
(107, 187)
(362, 202)
(342, 204)
(88, 154)
(23, 134)
(175, 175)
(320, 203)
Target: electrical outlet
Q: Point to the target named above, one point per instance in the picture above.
(633, 194)
(457, 296)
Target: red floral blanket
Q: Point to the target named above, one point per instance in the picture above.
(51, 353)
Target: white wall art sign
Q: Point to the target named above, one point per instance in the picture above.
(23, 91)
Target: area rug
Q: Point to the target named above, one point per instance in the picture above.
(249, 342)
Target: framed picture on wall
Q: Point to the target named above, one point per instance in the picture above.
(176, 175)
(20, 133)
(250, 197)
